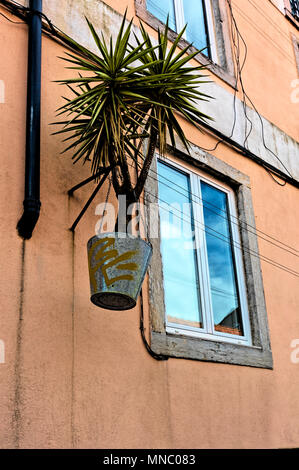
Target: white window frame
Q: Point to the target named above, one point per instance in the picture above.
(180, 23)
(208, 331)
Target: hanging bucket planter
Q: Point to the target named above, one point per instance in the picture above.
(117, 266)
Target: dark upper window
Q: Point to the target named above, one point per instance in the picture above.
(295, 8)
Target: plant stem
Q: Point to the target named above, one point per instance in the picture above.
(147, 162)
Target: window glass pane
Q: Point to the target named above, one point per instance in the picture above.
(181, 288)
(160, 9)
(196, 31)
(225, 299)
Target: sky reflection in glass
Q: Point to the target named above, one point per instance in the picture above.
(224, 294)
(181, 289)
(196, 27)
(160, 9)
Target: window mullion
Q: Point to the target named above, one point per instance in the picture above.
(205, 264)
(211, 31)
(201, 255)
(179, 15)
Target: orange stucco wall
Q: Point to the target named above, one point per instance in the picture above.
(78, 376)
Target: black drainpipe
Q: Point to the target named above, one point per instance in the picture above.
(32, 203)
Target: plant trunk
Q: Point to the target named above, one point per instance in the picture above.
(123, 218)
(147, 162)
(125, 193)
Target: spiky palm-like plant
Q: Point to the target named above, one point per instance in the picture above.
(127, 96)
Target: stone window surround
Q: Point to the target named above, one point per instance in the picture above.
(225, 69)
(183, 346)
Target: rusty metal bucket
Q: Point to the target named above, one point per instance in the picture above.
(117, 266)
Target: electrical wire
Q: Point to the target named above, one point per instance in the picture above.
(158, 357)
(274, 179)
(222, 237)
(267, 18)
(105, 205)
(234, 26)
(11, 21)
(237, 78)
(245, 95)
(238, 75)
(54, 29)
(265, 35)
(161, 357)
(238, 222)
(231, 216)
(236, 37)
(15, 8)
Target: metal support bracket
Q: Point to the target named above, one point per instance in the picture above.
(104, 173)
